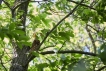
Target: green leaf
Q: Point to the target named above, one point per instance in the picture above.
(66, 35)
(87, 11)
(53, 64)
(2, 35)
(43, 15)
(48, 13)
(23, 37)
(80, 66)
(63, 57)
(26, 43)
(37, 19)
(46, 22)
(9, 35)
(68, 25)
(70, 66)
(16, 36)
(20, 32)
(102, 53)
(20, 45)
(41, 66)
(12, 26)
(95, 19)
(35, 54)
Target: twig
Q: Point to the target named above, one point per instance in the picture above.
(103, 34)
(2, 61)
(93, 28)
(3, 65)
(92, 40)
(82, 4)
(62, 46)
(7, 61)
(48, 33)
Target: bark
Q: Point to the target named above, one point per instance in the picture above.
(20, 57)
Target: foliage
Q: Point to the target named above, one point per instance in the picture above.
(69, 41)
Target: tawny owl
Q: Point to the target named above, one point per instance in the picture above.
(35, 46)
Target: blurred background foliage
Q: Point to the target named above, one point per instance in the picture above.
(84, 30)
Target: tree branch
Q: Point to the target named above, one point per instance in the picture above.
(69, 51)
(3, 65)
(71, 12)
(16, 6)
(92, 40)
(8, 5)
(93, 28)
(62, 46)
(81, 4)
(64, 52)
(39, 1)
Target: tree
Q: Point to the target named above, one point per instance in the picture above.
(52, 35)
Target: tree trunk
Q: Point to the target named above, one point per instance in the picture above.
(20, 58)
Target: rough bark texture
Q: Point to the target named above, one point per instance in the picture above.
(20, 57)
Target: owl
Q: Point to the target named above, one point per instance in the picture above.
(35, 46)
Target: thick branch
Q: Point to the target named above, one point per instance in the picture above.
(37, 1)
(64, 52)
(23, 2)
(20, 58)
(71, 12)
(69, 51)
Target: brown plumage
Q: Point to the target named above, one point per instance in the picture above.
(35, 46)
